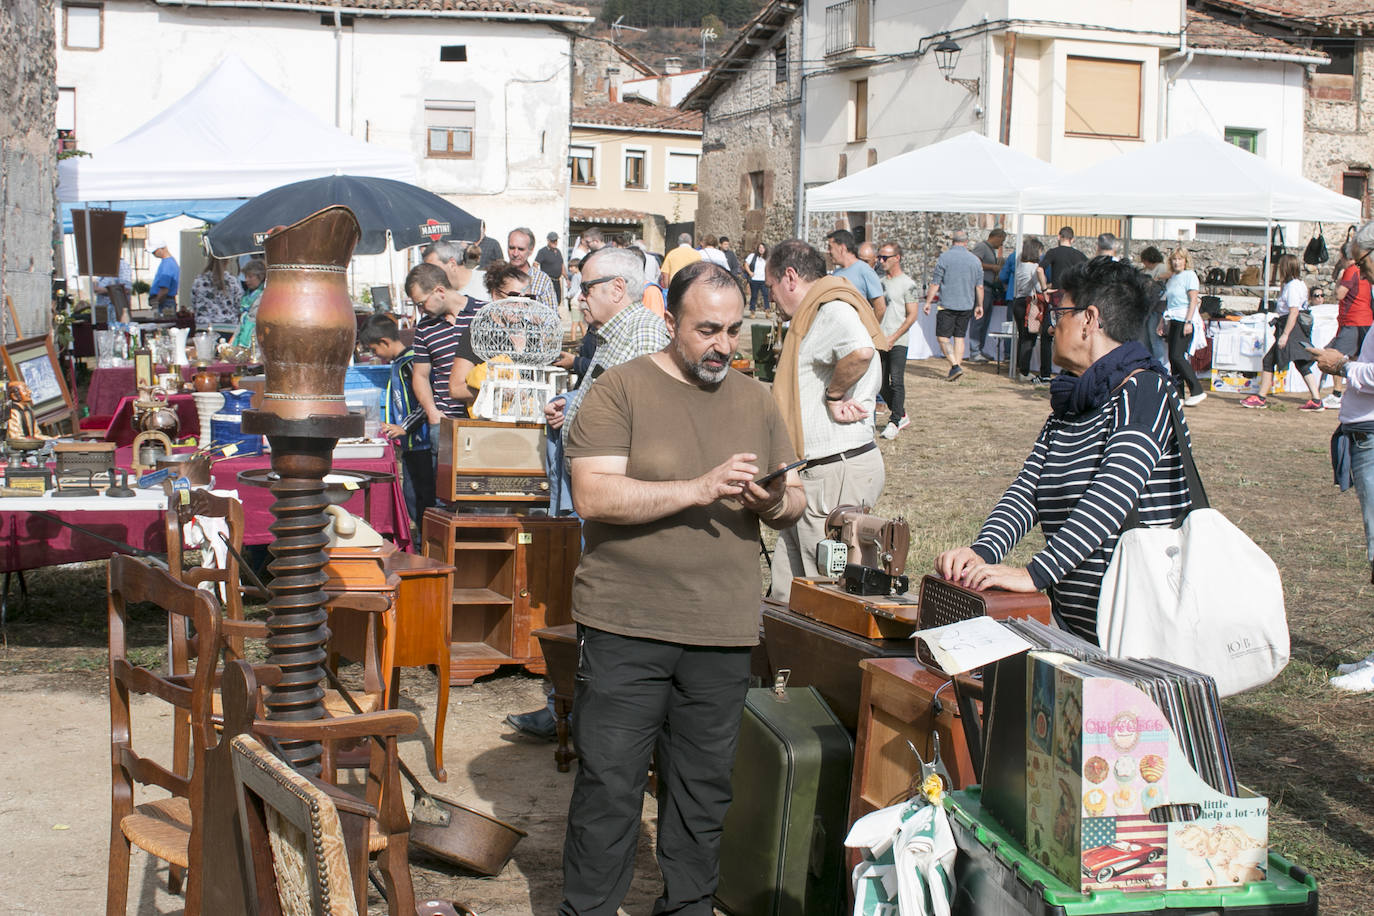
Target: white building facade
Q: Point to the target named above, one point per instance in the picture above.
(478, 92)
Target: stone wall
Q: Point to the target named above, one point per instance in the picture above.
(924, 235)
(28, 71)
(750, 127)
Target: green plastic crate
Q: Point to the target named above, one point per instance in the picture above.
(997, 877)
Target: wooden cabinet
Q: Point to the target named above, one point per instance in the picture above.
(511, 575)
(898, 705)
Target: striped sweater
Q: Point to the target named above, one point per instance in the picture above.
(1080, 481)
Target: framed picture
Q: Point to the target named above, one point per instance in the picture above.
(34, 362)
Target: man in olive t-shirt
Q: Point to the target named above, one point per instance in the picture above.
(665, 451)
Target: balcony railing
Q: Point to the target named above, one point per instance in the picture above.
(848, 26)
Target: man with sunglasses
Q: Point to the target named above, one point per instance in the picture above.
(903, 300)
(443, 346)
(1352, 444)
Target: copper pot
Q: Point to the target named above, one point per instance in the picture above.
(194, 467)
(205, 379)
(306, 326)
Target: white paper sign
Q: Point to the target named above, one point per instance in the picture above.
(968, 644)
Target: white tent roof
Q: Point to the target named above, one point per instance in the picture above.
(964, 174)
(1193, 176)
(194, 150)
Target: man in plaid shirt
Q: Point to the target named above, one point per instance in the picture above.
(612, 284)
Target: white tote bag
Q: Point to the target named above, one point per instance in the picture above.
(1200, 594)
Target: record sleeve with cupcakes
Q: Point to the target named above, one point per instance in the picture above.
(1129, 784)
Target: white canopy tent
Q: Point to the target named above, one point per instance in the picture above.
(1193, 176)
(964, 174)
(967, 173)
(194, 151)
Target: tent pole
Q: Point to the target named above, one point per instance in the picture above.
(1011, 311)
(1264, 276)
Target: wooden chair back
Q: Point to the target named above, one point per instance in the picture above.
(168, 828)
(298, 856)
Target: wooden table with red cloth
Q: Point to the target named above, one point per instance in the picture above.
(29, 541)
(109, 385)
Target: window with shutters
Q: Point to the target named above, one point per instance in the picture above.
(450, 126)
(682, 171)
(83, 26)
(635, 174)
(1102, 98)
(582, 166)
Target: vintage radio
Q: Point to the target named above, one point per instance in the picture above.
(943, 602)
(491, 461)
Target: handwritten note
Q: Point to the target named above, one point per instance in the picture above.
(968, 644)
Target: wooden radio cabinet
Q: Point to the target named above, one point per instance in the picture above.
(512, 575)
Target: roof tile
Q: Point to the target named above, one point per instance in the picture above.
(636, 114)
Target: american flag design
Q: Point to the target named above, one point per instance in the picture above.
(1128, 851)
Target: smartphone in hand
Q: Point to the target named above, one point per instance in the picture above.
(766, 479)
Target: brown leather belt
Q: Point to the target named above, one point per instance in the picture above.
(842, 456)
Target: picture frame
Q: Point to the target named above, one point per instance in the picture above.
(33, 361)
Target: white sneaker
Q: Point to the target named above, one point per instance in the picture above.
(1352, 667)
(1361, 681)
(1331, 402)
(889, 431)
(1195, 399)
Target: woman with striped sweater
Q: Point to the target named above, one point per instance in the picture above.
(1108, 446)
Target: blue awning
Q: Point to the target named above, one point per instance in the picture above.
(143, 212)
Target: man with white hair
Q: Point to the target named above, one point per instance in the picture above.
(678, 258)
(612, 283)
(1352, 445)
(520, 247)
(163, 292)
(1109, 246)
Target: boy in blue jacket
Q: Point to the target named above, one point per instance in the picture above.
(403, 420)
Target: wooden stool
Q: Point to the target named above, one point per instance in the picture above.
(559, 645)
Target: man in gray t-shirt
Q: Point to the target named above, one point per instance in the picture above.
(958, 283)
(989, 253)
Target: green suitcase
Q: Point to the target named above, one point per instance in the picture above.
(782, 851)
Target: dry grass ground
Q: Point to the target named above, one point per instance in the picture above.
(1306, 747)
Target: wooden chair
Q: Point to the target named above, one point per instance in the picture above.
(294, 860)
(172, 829)
(295, 840)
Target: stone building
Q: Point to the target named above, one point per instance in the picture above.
(750, 136)
(28, 165)
(1338, 146)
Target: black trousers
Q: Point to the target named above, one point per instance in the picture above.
(893, 388)
(1178, 354)
(1025, 340)
(632, 694)
(419, 482)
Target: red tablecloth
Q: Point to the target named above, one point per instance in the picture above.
(109, 385)
(389, 514)
(29, 541)
(119, 428)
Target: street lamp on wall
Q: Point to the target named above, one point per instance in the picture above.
(947, 58)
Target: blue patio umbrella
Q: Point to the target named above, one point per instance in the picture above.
(412, 216)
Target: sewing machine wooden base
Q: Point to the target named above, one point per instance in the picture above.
(869, 616)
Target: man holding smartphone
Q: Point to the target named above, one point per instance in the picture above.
(665, 450)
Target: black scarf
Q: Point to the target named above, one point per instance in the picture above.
(1074, 396)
